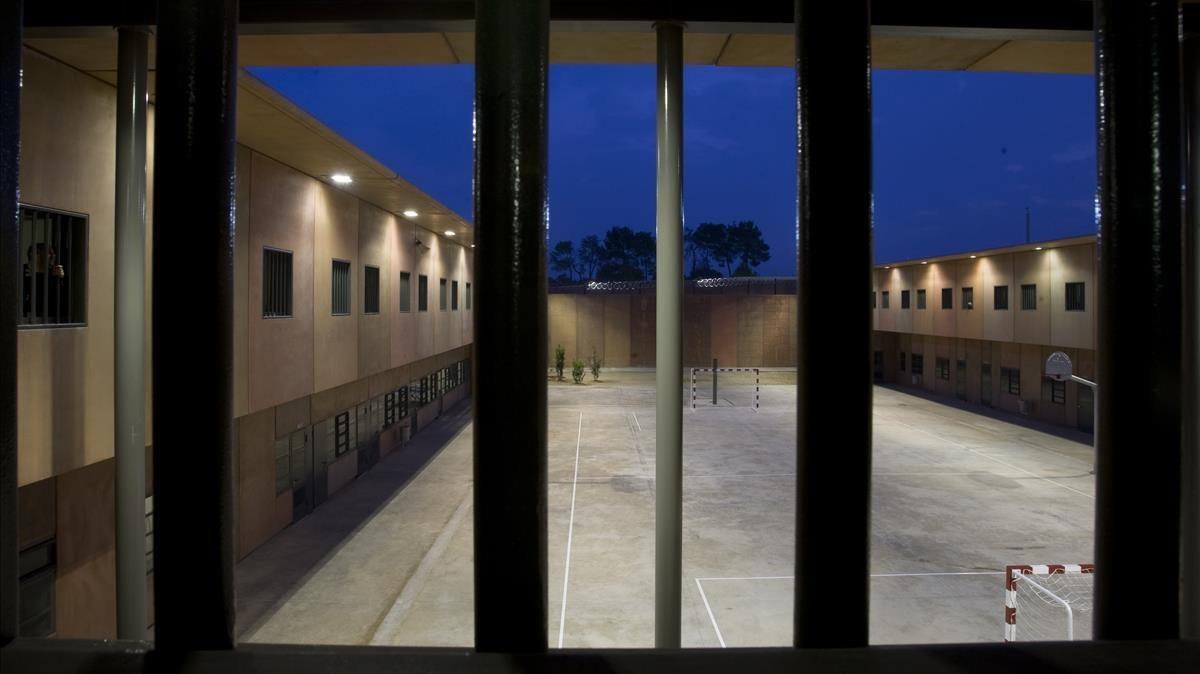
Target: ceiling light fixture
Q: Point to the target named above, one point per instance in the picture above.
(410, 213)
(341, 178)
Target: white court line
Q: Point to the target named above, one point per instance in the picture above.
(992, 458)
(721, 639)
(562, 616)
(873, 575)
(636, 422)
(711, 617)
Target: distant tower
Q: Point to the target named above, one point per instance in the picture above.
(1027, 235)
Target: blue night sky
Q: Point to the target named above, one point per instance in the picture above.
(958, 156)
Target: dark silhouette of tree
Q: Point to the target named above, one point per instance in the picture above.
(562, 260)
(591, 256)
(713, 241)
(745, 241)
(627, 255)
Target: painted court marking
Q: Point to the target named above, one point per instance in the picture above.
(717, 628)
(562, 616)
(992, 458)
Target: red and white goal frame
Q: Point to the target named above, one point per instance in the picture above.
(757, 379)
(1015, 572)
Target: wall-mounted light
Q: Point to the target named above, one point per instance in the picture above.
(973, 257)
(410, 213)
(924, 262)
(472, 245)
(341, 178)
(1038, 248)
(449, 232)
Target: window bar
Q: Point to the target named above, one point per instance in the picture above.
(511, 65)
(1139, 162)
(833, 376)
(194, 165)
(69, 283)
(10, 284)
(1190, 526)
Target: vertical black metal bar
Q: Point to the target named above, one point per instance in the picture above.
(10, 289)
(511, 46)
(1139, 138)
(193, 298)
(1189, 558)
(833, 377)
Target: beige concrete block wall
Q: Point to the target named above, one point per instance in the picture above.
(65, 375)
(1071, 265)
(376, 232)
(616, 330)
(85, 534)
(1032, 326)
(280, 350)
(335, 337)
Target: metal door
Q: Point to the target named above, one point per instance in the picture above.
(300, 450)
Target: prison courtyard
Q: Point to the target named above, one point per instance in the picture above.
(958, 493)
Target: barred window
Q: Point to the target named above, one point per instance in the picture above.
(947, 298)
(904, 299)
(442, 295)
(920, 298)
(371, 290)
(454, 295)
(405, 291)
(918, 363)
(942, 366)
(340, 283)
(1028, 297)
(422, 293)
(1075, 297)
(468, 297)
(1058, 392)
(276, 283)
(1000, 302)
(884, 295)
(53, 267)
(901, 361)
(872, 299)
(1010, 378)
(968, 298)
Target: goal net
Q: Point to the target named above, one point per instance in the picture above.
(1048, 602)
(733, 387)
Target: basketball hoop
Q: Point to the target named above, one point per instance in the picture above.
(1058, 366)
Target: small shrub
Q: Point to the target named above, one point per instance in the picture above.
(577, 371)
(560, 360)
(594, 363)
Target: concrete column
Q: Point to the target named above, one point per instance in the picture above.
(668, 503)
(10, 285)
(130, 338)
(1139, 325)
(1189, 610)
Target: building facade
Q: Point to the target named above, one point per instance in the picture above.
(979, 327)
(352, 329)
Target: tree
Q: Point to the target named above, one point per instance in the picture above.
(591, 255)
(562, 260)
(713, 241)
(627, 255)
(746, 244)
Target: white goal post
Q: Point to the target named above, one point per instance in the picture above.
(719, 370)
(1048, 602)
